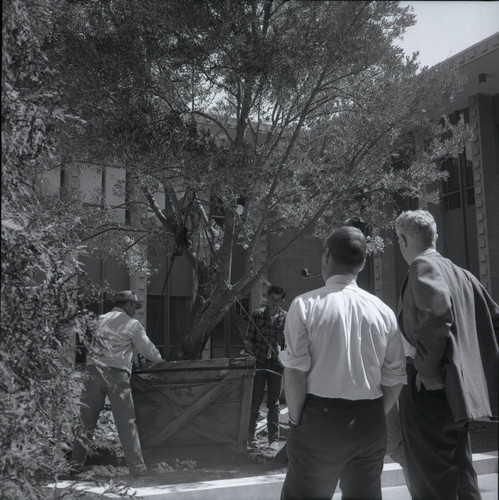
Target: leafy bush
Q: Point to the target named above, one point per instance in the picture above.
(43, 295)
(106, 438)
(42, 309)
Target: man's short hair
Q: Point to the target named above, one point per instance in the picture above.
(347, 245)
(418, 224)
(278, 290)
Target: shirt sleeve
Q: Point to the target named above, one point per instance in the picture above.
(296, 354)
(393, 369)
(281, 340)
(433, 311)
(142, 344)
(409, 350)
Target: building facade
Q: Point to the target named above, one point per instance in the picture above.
(468, 213)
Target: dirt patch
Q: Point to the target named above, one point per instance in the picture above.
(259, 460)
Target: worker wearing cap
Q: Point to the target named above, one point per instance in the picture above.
(108, 370)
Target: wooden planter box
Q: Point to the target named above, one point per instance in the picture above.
(194, 409)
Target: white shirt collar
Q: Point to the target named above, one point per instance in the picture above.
(342, 279)
(428, 251)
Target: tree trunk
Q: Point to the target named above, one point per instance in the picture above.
(203, 319)
(205, 315)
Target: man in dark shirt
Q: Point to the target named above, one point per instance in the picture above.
(264, 340)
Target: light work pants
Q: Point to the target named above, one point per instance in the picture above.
(114, 383)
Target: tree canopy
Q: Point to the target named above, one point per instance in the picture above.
(269, 115)
(308, 104)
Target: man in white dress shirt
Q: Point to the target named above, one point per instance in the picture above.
(344, 369)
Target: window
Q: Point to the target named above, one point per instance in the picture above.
(451, 191)
(459, 185)
(469, 182)
(156, 327)
(227, 338)
(180, 308)
(166, 321)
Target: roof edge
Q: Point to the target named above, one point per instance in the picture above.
(473, 52)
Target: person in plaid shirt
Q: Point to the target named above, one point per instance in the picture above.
(265, 340)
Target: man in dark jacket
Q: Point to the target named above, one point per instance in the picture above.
(264, 340)
(451, 321)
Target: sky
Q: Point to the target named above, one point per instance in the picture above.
(443, 29)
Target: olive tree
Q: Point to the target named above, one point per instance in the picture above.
(308, 105)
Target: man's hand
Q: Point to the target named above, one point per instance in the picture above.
(295, 388)
(390, 395)
(429, 383)
(249, 347)
(154, 363)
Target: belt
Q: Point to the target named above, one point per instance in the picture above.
(343, 403)
(105, 368)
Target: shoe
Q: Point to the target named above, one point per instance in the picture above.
(274, 445)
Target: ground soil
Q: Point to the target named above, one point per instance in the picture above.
(258, 460)
(483, 436)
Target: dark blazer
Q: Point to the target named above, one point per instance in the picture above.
(453, 323)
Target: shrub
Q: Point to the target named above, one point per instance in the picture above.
(42, 309)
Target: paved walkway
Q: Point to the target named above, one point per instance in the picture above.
(269, 486)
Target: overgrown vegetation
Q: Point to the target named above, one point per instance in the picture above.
(43, 299)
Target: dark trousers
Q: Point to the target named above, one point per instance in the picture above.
(116, 385)
(395, 443)
(337, 439)
(438, 450)
(267, 374)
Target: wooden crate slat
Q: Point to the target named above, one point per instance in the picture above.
(165, 402)
(245, 410)
(198, 365)
(194, 409)
(186, 394)
(195, 406)
(189, 437)
(183, 451)
(226, 417)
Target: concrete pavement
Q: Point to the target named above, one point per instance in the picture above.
(269, 486)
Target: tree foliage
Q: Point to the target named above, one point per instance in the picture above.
(308, 104)
(43, 299)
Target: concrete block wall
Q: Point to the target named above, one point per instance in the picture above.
(285, 270)
(485, 158)
(138, 280)
(138, 284)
